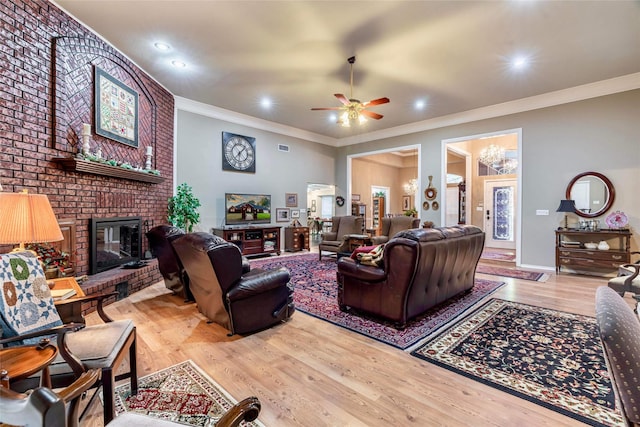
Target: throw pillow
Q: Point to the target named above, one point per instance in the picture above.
(26, 304)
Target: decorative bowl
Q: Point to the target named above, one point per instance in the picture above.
(591, 245)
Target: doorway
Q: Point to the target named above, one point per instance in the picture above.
(320, 208)
(490, 196)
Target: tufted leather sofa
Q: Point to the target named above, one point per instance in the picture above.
(225, 294)
(422, 268)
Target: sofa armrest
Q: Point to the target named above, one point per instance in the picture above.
(367, 273)
(258, 282)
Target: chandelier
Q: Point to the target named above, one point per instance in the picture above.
(491, 155)
(411, 187)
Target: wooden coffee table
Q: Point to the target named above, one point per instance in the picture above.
(21, 362)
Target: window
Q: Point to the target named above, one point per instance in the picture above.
(326, 206)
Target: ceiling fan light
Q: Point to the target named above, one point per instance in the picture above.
(362, 119)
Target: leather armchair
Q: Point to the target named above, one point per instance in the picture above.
(337, 240)
(421, 268)
(225, 294)
(170, 266)
(392, 226)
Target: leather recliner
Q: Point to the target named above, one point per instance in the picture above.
(241, 302)
(421, 268)
(391, 226)
(337, 240)
(175, 278)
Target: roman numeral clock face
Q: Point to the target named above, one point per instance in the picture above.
(238, 153)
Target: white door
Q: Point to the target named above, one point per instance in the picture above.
(500, 214)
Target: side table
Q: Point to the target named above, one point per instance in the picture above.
(21, 362)
(357, 240)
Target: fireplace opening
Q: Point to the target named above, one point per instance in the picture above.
(114, 242)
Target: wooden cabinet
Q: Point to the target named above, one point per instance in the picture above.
(296, 239)
(572, 253)
(360, 209)
(252, 240)
(377, 214)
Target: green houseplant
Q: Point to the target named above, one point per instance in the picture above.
(183, 208)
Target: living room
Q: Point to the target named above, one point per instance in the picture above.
(306, 371)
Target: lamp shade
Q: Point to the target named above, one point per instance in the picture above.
(566, 206)
(27, 218)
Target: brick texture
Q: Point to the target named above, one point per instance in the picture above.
(47, 62)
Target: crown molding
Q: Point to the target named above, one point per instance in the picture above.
(564, 96)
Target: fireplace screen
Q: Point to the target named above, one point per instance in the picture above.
(114, 242)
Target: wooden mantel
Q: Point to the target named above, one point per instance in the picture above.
(87, 166)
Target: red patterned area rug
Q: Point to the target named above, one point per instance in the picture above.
(511, 272)
(182, 393)
(316, 293)
(549, 357)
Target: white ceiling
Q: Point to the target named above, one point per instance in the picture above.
(452, 54)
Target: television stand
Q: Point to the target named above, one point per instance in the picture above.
(252, 240)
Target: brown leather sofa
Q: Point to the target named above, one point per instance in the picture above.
(175, 278)
(392, 226)
(421, 268)
(337, 240)
(241, 302)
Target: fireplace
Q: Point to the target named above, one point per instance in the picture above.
(114, 242)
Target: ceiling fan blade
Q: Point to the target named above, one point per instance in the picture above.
(342, 98)
(371, 114)
(376, 102)
(328, 108)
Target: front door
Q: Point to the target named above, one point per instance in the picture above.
(500, 213)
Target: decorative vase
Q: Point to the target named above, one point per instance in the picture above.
(51, 273)
(603, 246)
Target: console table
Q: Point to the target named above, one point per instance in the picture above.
(571, 250)
(252, 240)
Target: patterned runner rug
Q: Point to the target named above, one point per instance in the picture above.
(316, 293)
(498, 255)
(182, 393)
(549, 357)
(511, 272)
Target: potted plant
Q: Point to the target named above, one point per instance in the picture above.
(182, 211)
(411, 212)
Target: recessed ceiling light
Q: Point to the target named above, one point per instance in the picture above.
(519, 62)
(420, 104)
(266, 102)
(162, 46)
(178, 64)
(333, 117)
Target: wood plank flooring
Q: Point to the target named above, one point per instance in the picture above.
(308, 372)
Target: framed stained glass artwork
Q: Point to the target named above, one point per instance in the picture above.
(116, 109)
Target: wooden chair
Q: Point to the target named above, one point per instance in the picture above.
(104, 346)
(628, 280)
(43, 407)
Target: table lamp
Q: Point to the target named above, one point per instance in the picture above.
(566, 206)
(27, 218)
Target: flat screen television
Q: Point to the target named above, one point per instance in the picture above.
(247, 209)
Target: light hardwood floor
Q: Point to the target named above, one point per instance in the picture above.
(308, 372)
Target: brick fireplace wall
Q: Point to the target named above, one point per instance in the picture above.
(47, 61)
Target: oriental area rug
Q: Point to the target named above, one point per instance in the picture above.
(316, 293)
(182, 393)
(511, 272)
(548, 357)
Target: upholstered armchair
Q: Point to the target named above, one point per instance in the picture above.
(225, 294)
(337, 240)
(169, 264)
(392, 226)
(619, 331)
(28, 312)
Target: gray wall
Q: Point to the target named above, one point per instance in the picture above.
(600, 134)
(199, 164)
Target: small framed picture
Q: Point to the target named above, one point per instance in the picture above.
(313, 203)
(291, 200)
(282, 215)
(406, 203)
(313, 208)
(295, 213)
(355, 197)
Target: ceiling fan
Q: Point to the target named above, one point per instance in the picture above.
(353, 109)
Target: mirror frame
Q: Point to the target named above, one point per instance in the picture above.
(606, 207)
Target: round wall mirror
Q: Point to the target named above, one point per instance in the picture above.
(592, 192)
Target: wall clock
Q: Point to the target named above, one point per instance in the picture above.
(238, 153)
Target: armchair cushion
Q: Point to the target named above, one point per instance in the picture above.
(26, 304)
